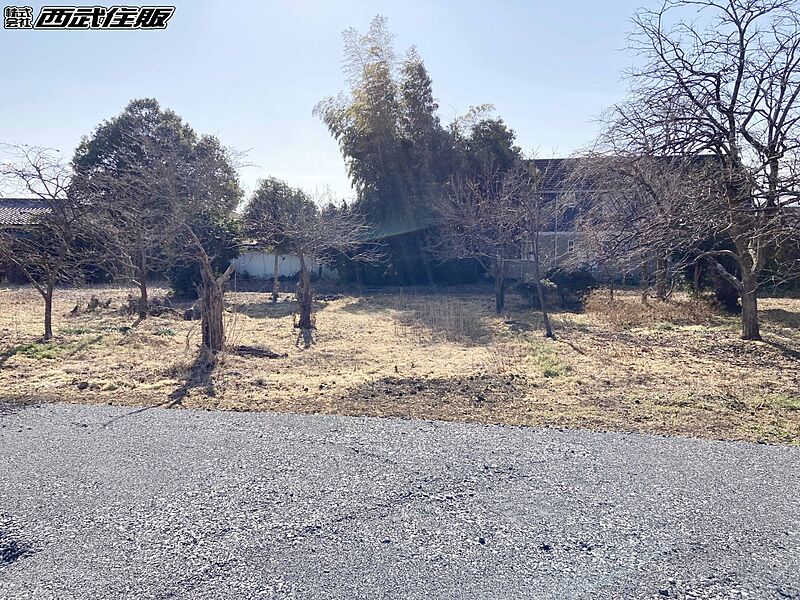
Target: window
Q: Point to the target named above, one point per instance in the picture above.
(527, 250)
(570, 245)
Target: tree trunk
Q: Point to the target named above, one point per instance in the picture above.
(611, 283)
(304, 297)
(696, 278)
(143, 273)
(211, 307)
(661, 279)
(750, 327)
(276, 282)
(143, 308)
(48, 313)
(548, 330)
(499, 288)
(645, 280)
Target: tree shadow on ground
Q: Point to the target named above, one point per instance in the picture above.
(197, 376)
(367, 304)
(784, 349)
(11, 547)
(271, 310)
(780, 316)
(257, 352)
(457, 317)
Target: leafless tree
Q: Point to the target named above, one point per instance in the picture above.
(492, 218)
(317, 233)
(721, 78)
(55, 242)
(638, 209)
(132, 202)
(540, 211)
(480, 219)
(187, 190)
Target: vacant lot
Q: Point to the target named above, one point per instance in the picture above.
(674, 369)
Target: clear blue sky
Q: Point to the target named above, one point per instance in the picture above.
(251, 72)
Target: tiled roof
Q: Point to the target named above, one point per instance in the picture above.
(20, 211)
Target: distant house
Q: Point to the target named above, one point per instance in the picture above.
(560, 238)
(16, 215)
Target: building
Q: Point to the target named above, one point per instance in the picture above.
(559, 240)
(261, 265)
(16, 215)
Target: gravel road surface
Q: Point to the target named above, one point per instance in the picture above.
(100, 502)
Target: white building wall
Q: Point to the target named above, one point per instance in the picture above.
(259, 265)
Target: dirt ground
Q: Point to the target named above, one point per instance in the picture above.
(673, 369)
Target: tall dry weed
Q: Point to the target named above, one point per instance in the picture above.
(628, 311)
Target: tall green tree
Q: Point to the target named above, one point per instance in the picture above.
(398, 155)
(429, 147)
(490, 145)
(139, 170)
(268, 207)
(365, 122)
(392, 141)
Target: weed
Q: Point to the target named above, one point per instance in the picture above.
(782, 401)
(76, 330)
(548, 364)
(629, 312)
(37, 350)
(164, 331)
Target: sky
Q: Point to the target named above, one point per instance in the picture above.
(252, 72)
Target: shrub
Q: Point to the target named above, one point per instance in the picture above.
(567, 288)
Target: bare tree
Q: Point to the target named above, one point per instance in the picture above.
(492, 218)
(316, 235)
(722, 78)
(51, 247)
(539, 211)
(192, 189)
(639, 210)
(480, 219)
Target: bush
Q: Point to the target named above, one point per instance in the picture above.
(567, 288)
(526, 288)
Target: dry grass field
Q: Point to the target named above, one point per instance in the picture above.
(668, 369)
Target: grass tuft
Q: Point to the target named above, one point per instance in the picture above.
(37, 350)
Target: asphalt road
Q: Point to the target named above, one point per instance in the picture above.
(106, 503)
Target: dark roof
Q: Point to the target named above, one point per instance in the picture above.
(554, 171)
(20, 211)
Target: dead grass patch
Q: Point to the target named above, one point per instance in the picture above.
(680, 370)
(627, 311)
